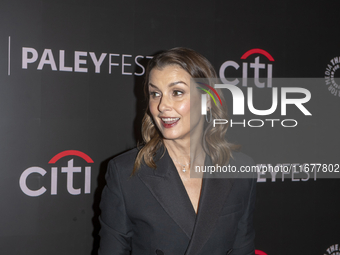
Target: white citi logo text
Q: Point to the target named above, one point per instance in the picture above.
(69, 170)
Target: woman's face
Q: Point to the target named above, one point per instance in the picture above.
(169, 102)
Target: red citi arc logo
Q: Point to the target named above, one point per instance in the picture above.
(258, 252)
(70, 169)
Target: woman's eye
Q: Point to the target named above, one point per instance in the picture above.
(177, 93)
(154, 94)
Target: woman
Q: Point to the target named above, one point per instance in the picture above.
(150, 204)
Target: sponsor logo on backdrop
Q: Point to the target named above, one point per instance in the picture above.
(238, 96)
(332, 67)
(78, 61)
(333, 250)
(72, 172)
(257, 66)
(48, 59)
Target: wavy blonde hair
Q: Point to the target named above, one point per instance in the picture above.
(214, 142)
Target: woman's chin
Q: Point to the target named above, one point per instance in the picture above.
(175, 136)
(170, 137)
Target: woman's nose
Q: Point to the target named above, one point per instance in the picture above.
(164, 104)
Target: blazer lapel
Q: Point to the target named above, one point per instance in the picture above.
(213, 195)
(166, 186)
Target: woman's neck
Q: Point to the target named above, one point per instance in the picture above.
(184, 153)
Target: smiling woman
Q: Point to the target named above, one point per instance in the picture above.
(151, 205)
(169, 102)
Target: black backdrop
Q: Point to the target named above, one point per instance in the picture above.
(57, 96)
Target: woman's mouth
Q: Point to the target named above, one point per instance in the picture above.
(169, 122)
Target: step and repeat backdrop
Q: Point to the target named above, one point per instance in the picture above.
(71, 98)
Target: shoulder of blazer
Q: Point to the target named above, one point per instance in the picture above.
(126, 157)
(124, 162)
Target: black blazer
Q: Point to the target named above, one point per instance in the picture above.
(151, 213)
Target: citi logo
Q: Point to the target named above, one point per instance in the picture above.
(69, 170)
(256, 65)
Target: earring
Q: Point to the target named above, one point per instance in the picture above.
(210, 117)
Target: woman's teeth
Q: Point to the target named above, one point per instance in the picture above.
(169, 120)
